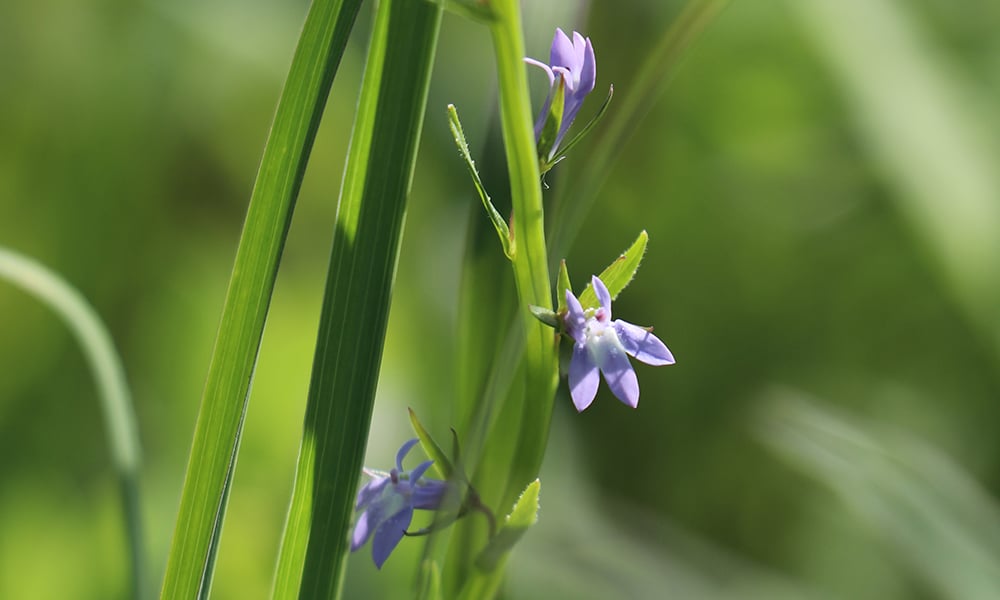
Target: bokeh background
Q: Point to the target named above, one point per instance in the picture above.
(821, 188)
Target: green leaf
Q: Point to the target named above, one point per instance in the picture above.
(524, 515)
(463, 148)
(441, 463)
(562, 285)
(619, 273)
(224, 403)
(355, 309)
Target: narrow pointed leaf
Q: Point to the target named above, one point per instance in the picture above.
(524, 515)
(463, 148)
(619, 273)
(356, 302)
(224, 402)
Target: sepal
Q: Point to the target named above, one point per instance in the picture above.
(546, 316)
(549, 134)
(442, 464)
(562, 284)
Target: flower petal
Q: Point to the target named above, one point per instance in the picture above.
(370, 491)
(579, 55)
(403, 450)
(388, 534)
(583, 377)
(603, 295)
(642, 344)
(417, 473)
(620, 375)
(574, 319)
(429, 494)
(362, 531)
(562, 52)
(588, 72)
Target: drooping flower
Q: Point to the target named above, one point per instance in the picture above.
(387, 503)
(572, 63)
(602, 345)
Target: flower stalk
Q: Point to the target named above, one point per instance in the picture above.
(530, 261)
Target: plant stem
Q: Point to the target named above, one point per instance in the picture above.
(530, 262)
(109, 375)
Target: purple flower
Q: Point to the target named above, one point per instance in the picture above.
(387, 503)
(573, 61)
(601, 344)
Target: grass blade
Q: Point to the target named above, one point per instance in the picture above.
(356, 302)
(220, 420)
(116, 400)
(941, 523)
(922, 123)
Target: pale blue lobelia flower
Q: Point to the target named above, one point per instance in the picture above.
(571, 62)
(602, 345)
(387, 503)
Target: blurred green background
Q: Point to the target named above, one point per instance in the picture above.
(821, 189)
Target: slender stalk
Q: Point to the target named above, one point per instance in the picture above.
(531, 272)
(519, 407)
(109, 375)
(509, 426)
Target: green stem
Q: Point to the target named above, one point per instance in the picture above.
(531, 272)
(106, 366)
